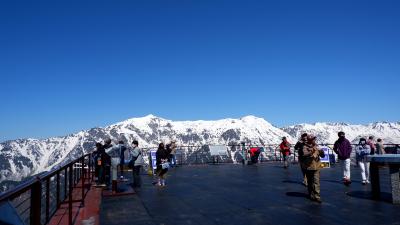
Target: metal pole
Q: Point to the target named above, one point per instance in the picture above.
(36, 203)
(83, 181)
(47, 200)
(90, 168)
(70, 194)
(58, 189)
(65, 182)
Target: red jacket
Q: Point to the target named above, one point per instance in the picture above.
(285, 147)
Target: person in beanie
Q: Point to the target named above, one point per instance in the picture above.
(311, 164)
(342, 148)
(362, 150)
(299, 147)
(371, 143)
(285, 150)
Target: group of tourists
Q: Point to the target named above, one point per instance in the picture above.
(112, 159)
(108, 158)
(343, 149)
(309, 155)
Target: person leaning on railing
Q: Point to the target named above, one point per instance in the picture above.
(311, 163)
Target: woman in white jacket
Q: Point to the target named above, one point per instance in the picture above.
(137, 154)
(362, 150)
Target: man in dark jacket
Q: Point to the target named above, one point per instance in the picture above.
(343, 148)
(299, 147)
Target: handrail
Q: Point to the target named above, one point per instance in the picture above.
(35, 186)
(24, 186)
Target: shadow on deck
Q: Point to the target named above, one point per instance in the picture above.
(260, 194)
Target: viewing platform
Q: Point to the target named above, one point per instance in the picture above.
(257, 194)
(226, 193)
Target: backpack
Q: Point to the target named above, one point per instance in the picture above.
(131, 163)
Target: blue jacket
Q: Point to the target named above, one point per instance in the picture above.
(361, 151)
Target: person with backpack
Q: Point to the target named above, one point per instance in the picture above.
(137, 162)
(96, 155)
(363, 149)
(285, 151)
(311, 163)
(342, 148)
(117, 154)
(299, 147)
(162, 163)
(106, 161)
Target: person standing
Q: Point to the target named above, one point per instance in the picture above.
(138, 164)
(342, 148)
(107, 161)
(311, 163)
(172, 149)
(285, 150)
(363, 149)
(121, 149)
(380, 148)
(162, 163)
(299, 147)
(98, 170)
(371, 143)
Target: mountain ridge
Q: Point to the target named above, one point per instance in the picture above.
(24, 157)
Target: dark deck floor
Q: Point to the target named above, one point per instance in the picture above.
(261, 194)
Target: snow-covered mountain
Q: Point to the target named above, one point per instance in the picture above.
(25, 157)
(327, 132)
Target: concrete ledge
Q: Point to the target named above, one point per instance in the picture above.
(388, 158)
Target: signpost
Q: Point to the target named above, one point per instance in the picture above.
(325, 162)
(217, 150)
(153, 160)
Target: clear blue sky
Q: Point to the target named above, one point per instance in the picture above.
(67, 66)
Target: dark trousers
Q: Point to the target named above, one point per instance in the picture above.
(137, 181)
(313, 184)
(160, 171)
(303, 171)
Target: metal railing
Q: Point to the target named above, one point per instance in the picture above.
(38, 199)
(200, 154)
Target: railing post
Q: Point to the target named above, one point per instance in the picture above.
(90, 168)
(36, 203)
(294, 155)
(58, 189)
(83, 180)
(70, 194)
(65, 182)
(47, 199)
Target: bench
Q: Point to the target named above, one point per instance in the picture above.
(393, 161)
